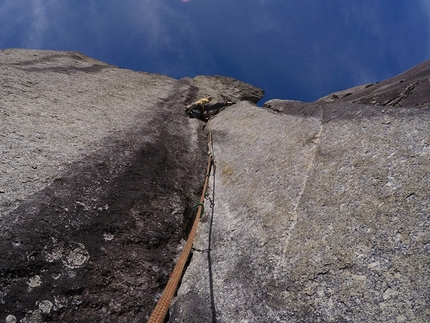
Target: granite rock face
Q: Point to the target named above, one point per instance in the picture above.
(408, 89)
(318, 212)
(99, 170)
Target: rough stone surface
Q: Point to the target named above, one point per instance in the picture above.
(99, 170)
(408, 89)
(222, 88)
(316, 212)
(320, 212)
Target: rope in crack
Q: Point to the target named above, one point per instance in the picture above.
(160, 311)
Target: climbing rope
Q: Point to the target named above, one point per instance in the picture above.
(160, 311)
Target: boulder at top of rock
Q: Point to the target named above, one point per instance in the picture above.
(226, 88)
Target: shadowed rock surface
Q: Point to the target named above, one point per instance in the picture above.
(99, 170)
(318, 212)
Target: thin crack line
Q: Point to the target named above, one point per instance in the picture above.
(309, 167)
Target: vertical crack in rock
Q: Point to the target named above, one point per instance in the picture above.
(294, 214)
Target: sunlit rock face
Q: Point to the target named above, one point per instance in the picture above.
(100, 168)
(318, 212)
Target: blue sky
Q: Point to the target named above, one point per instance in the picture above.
(292, 49)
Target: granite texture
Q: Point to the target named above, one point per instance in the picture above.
(318, 212)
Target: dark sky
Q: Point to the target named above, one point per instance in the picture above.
(292, 49)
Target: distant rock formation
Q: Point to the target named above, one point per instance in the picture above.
(408, 89)
(100, 169)
(319, 212)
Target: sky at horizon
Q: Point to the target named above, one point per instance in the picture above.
(297, 50)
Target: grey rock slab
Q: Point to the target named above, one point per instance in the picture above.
(262, 161)
(321, 214)
(359, 251)
(51, 100)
